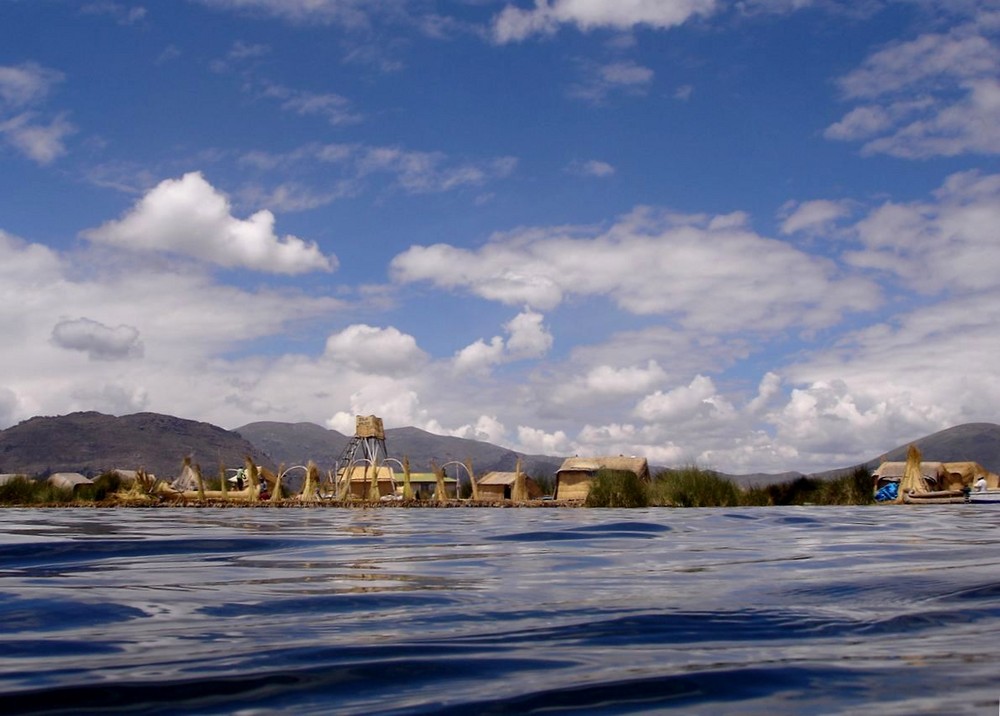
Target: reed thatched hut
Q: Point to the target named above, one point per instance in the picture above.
(574, 478)
(499, 486)
(938, 475)
(361, 480)
(424, 486)
(69, 480)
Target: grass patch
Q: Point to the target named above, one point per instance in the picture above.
(854, 488)
(25, 491)
(617, 488)
(692, 486)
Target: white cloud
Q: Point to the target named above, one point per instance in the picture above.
(26, 84)
(351, 13)
(698, 400)
(188, 216)
(487, 428)
(186, 323)
(515, 24)
(812, 215)
(122, 14)
(591, 168)
(941, 246)
(633, 261)
(539, 442)
(480, 356)
(935, 95)
(622, 76)
(98, 341)
(40, 141)
(527, 338)
(334, 108)
(22, 89)
(370, 350)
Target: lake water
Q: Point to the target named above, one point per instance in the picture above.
(888, 610)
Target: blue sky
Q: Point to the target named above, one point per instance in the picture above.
(756, 235)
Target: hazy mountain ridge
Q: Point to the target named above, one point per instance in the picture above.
(92, 442)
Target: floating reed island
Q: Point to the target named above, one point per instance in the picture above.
(366, 476)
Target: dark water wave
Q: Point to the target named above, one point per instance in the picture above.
(756, 611)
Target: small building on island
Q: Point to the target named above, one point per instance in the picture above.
(574, 478)
(69, 480)
(424, 486)
(499, 486)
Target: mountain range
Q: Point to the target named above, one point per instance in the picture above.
(91, 442)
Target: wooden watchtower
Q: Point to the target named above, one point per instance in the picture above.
(366, 451)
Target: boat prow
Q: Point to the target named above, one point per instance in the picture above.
(936, 497)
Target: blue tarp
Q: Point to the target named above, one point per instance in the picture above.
(888, 493)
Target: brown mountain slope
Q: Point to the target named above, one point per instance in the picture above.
(91, 443)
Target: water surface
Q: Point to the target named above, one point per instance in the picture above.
(890, 610)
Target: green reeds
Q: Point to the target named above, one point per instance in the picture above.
(691, 486)
(617, 488)
(22, 490)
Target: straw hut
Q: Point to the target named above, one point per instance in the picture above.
(573, 479)
(499, 486)
(424, 485)
(361, 481)
(187, 481)
(932, 473)
(958, 475)
(938, 475)
(68, 480)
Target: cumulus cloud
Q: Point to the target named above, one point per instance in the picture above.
(539, 442)
(188, 216)
(98, 341)
(703, 260)
(935, 95)
(23, 88)
(514, 24)
(487, 428)
(527, 338)
(950, 242)
(698, 400)
(371, 350)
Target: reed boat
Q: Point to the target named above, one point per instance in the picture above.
(936, 497)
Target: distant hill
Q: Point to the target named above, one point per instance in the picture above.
(295, 443)
(92, 443)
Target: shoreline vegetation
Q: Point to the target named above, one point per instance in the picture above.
(688, 486)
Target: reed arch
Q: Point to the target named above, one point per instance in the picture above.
(472, 479)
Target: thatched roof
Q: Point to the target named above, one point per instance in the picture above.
(499, 478)
(362, 473)
(68, 480)
(638, 465)
(421, 478)
(894, 470)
